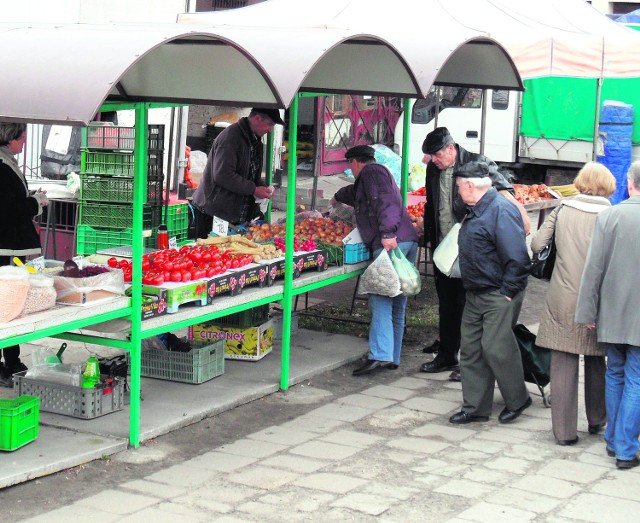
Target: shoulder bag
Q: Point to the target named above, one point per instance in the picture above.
(542, 262)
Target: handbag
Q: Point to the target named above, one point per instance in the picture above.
(542, 262)
(410, 282)
(445, 256)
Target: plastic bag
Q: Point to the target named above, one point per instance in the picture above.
(417, 177)
(410, 281)
(14, 286)
(445, 257)
(380, 278)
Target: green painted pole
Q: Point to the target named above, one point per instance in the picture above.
(288, 255)
(406, 124)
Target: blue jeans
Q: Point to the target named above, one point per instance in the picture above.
(387, 317)
(623, 400)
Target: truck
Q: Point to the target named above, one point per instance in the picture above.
(542, 135)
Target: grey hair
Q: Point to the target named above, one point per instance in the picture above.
(481, 183)
(11, 131)
(633, 175)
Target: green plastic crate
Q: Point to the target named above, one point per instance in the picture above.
(118, 189)
(118, 137)
(247, 318)
(120, 163)
(114, 216)
(93, 239)
(177, 220)
(19, 421)
(204, 362)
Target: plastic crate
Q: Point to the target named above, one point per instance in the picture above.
(19, 421)
(92, 239)
(176, 219)
(203, 362)
(356, 253)
(120, 164)
(68, 400)
(115, 216)
(244, 319)
(118, 189)
(116, 137)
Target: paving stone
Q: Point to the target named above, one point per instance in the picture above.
(225, 492)
(553, 487)
(409, 383)
(468, 457)
(256, 508)
(392, 393)
(294, 463)
(252, 448)
(446, 432)
(318, 424)
(160, 515)
(282, 435)
(222, 461)
(619, 484)
(324, 450)
(397, 418)
(351, 438)
(465, 488)
(160, 490)
(391, 490)
(572, 471)
(431, 405)
(402, 457)
(299, 499)
(599, 508)
(516, 466)
(496, 477)
(367, 503)
(453, 395)
(73, 513)
(263, 477)
(440, 467)
(491, 513)
(425, 446)
(366, 401)
(527, 422)
(342, 412)
(128, 503)
(531, 501)
(328, 482)
(488, 447)
(505, 434)
(206, 502)
(531, 453)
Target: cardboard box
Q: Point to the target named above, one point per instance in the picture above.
(226, 283)
(250, 344)
(154, 304)
(302, 261)
(253, 274)
(178, 293)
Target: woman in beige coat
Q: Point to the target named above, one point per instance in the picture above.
(573, 223)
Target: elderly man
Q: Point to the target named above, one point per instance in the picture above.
(494, 264)
(609, 301)
(444, 208)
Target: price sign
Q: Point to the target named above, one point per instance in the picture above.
(79, 261)
(173, 243)
(38, 263)
(220, 227)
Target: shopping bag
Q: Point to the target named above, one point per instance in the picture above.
(410, 281)
(445, 257)
(380, 278)
(543, 262)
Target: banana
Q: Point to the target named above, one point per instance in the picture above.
(565, 190)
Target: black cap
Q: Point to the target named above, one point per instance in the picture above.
(472, 170)
(361, 151)
(437, 139)
(274, 114)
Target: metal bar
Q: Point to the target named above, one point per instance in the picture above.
(96, 340)
(324, 283)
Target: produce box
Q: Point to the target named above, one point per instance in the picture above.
(302, 261)
(178, 293)
(355, 251)
(80, 291)
(19, 421)
(223, 284)
(154, 304)
(253, 274)
(204, 362)
(250, 344)
(68, 400)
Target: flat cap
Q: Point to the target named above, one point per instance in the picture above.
(361, 151)
(472, 170)
(274, 114)
(437, 139)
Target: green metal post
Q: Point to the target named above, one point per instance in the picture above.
(404, 178)
(288, 255)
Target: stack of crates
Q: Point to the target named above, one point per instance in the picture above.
(106, 192)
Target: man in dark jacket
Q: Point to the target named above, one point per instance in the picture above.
(444, 208)
(383, 223)
(494, 264)
(232, 181)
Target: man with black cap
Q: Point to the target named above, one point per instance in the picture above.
(494, 267)
(232, 180)
(383, 223)
(444, 208)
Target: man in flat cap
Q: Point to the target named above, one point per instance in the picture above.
(383, 223)
(444, 208)
(232, 179)
(494, 267)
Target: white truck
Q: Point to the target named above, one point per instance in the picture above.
(540, 134)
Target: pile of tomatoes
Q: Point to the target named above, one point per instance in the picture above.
(190, 262)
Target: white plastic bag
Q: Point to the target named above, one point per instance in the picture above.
(380, 278)
(445, 257)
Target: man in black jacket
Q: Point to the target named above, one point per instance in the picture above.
(444, 208)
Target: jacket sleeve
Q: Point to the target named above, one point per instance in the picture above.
(512, 251)
(225, 165)
(542, 238)
(589, 293)
(346, 195)
(497, 178)
(380, 189)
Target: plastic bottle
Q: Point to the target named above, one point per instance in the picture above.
(163, 237)
(91, 376)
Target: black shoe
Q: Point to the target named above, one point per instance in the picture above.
(6, 380)
(455, 375)
(595, 429)
(176, 344)
(391, 366)
(437, 365)
(627, 463)
(462, 417)
(507, 416)
(10, 370)
(611, 453)
(369, 367)
(433, 348)
(567, 442)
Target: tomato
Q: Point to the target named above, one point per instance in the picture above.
(185, 275)
(210, 271)
(123, 264)
(167, 275)
(235, 263)
(206, 256)
(112, 262)
(198, 274)
(146, 265)
(158, 280)
(176, 276)
(168, 265)
(184, 249)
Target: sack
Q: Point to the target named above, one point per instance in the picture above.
(410, 281)
(542, 262)
(380, 278)
(445, 257)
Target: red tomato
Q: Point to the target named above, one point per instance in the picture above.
(176, 276)
(112, 262)
(167, 275)
(158, 279)
(123, 264)
(210, 271)
(235, 263)
(127, 276)
(185, 275)
(146, 265)
(168, 265)
(206, 256)
(184, 249)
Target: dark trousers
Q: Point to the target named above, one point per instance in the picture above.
(11, 354)
(204, 223)
(451, 299)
